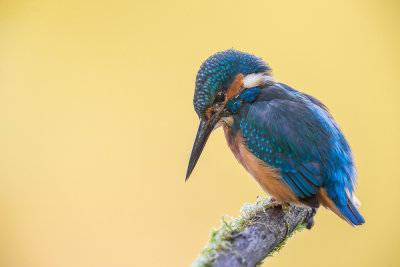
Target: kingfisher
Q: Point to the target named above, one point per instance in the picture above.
(287, 140)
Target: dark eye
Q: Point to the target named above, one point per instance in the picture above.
(220, 97)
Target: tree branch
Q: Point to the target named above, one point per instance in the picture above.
(261, 230)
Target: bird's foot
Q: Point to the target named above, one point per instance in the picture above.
(274, 202)
(285, 206)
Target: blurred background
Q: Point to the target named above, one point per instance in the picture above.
(97, 124)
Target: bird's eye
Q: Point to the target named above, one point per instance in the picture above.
(220, 97)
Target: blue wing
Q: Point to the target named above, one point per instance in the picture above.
(294, 133)
(280, 129)
(282, 134)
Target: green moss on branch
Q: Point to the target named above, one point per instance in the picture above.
(264, 218)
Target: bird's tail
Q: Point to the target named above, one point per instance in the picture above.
(348, 212)
(351, 214)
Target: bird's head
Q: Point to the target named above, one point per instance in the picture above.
(221, 76)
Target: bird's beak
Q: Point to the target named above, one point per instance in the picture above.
(205, 129)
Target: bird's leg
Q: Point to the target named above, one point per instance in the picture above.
(273, 200)
(275, 203)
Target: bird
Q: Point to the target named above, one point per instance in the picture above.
(286, 139)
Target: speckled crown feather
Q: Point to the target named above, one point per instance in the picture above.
(218, 71)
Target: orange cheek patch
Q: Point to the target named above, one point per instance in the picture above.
(209, 112)
(233, 90)
(235, 87)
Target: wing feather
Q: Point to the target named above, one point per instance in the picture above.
(284, 134)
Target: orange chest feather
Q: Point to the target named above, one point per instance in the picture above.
(268, 178)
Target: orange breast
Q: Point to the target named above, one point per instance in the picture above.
(268, 178)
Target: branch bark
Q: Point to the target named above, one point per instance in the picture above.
(251, 238)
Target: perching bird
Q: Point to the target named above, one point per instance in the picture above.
(285, 139)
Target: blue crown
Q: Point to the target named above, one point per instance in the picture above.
(219, 71)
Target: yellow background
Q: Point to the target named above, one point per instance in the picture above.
(97, 124)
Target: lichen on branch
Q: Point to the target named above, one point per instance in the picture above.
(260, 231)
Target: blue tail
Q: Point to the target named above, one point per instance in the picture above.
(351, 213)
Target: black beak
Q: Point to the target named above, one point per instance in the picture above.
(204, 131)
